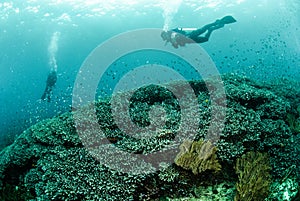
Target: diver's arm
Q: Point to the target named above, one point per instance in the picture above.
(180, 40)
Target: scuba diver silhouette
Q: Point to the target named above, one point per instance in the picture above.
(181, 36)
(51, 80)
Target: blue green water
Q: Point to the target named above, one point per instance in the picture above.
(263, 44)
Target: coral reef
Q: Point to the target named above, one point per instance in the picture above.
(49, 161)
(220, 192)
(285, 189)
(256, 120)
(198, 156)
(253, 177)
(168, 173)
(294, 121)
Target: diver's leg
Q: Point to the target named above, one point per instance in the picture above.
(45, 93)
(215, 25)
(208, 26)
(201, 39)
(207, 35)
(221, 22)
(43, 96)
(49, 94)
(49, 97)
(196, 33)
(205, 38)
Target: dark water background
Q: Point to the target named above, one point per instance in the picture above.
(264, 44)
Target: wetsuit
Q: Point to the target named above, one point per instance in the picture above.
(180, 37)
(51, 80)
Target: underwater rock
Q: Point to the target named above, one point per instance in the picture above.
(49, 161)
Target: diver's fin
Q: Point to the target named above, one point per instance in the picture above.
(227, 20)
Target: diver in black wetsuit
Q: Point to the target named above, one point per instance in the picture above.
(51, 80)
(180, 37)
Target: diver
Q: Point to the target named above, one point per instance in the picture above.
(181, 36)
(51, 80)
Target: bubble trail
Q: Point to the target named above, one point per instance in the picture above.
(52, 50)
(170, 8)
